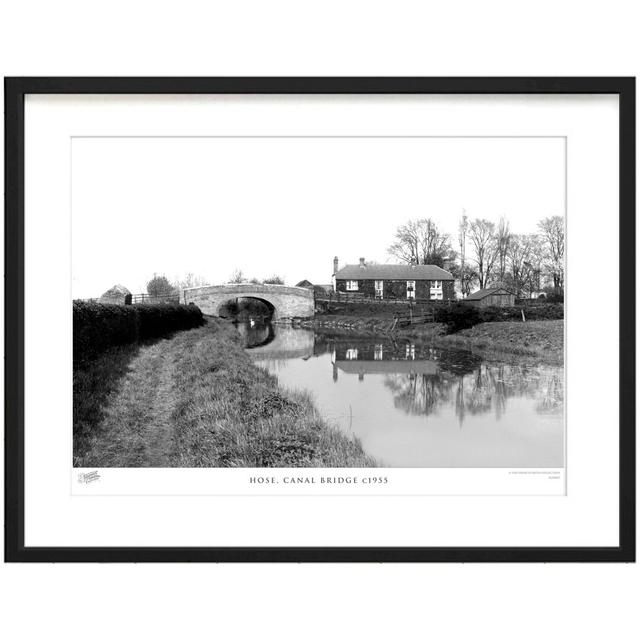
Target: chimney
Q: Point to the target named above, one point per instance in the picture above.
(335, 264)
(362, 264)
(446, 263)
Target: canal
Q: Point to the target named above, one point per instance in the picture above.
(412, 405)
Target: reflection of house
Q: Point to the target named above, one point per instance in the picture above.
(352, 360)
(394, 281)
(422, 367)
(496, 296)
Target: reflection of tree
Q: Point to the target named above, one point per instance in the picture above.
(551, 397)
(418, 393)
(487, 388)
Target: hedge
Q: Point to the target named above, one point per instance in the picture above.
(97, 327)
(550, 311)
(464, 316)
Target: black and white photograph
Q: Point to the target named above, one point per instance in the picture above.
(374, 320)
(319, 301)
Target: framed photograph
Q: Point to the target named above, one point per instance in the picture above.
(320, 319)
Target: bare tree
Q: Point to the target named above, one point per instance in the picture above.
(273, 280)
(189, 280)
(519, 254)
(532, 277)
(237, 277)
(552, 231)
(503, 238)
(421, 242)
(463, 229)
(483, 239)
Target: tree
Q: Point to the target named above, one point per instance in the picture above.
(421, 242)
(552, 231)
(483, 240)
(503, 238)
(159, 286)
(465, 273)
(273, 280)
(519, 254)
(532, 277)
(237, 277)
(190, 280)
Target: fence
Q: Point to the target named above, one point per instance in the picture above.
(145, 298)
(361, 298)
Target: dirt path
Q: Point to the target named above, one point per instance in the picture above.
(138, 430)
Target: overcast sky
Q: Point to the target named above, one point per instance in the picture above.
(286, 206)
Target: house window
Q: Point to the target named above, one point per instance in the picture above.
(378, 352)
(379, 288)
(352, 285)
(352, 354)
(436, 284)
(435, 291)
(411, 289)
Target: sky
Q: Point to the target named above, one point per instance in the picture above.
(287, 206)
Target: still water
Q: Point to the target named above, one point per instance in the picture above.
(412, 405)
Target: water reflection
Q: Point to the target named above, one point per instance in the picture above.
(414, 405)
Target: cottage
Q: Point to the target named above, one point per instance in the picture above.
(496, 296)
(394, 281)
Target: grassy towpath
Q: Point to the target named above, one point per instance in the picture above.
(196, 400)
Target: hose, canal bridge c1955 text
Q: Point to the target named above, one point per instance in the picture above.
(319, 479)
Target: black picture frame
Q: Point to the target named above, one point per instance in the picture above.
(15, 91)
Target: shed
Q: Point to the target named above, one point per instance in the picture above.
(492, 297)
(116, 295)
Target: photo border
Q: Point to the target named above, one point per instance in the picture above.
(15, 91)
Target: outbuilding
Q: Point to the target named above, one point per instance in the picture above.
(492, 297)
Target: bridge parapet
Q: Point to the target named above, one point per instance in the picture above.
(287, 302)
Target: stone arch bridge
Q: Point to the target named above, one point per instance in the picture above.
(286, 302)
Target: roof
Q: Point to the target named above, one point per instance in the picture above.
(392, 272)
(116, 291)
(491, 291)
(304, 283)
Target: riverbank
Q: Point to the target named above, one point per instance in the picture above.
(542, 339)
(196, 400)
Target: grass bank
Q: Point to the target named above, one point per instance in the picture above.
(196, 400)
(543, 339)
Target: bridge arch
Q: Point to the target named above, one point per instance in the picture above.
(267, 303)
(287, 302)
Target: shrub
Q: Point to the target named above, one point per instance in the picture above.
(97, 327)
(458, 317)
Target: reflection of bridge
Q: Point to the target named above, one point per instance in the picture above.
(285, 302)
(285, 343)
